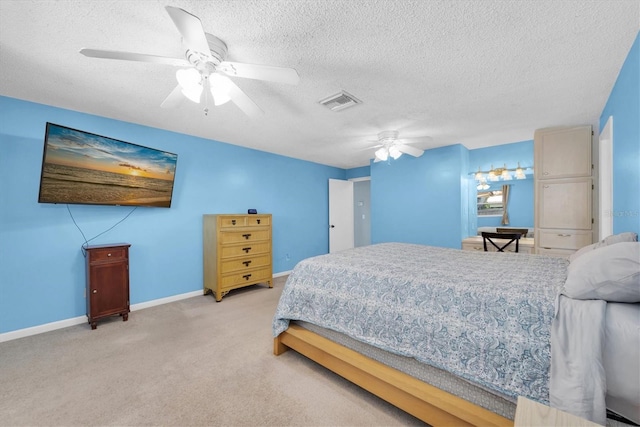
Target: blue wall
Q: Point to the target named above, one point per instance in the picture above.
(42, 273)
(624, 106)
(420, 200)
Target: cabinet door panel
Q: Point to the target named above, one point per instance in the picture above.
(565, 204)
(563, 153)
(108, 288)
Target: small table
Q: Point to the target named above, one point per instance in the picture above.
(534, 414)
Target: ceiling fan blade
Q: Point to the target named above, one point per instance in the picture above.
(130, 56)
(412, 151)
(243, 102)
(174, 98)
(190, 28)
(260, 72)
(416, 140)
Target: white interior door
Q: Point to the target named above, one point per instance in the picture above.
(340, 215)
(605, 180)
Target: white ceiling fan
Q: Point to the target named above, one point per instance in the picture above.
(203, 76)
(390, 146)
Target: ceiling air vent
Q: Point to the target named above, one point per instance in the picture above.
(340, 101)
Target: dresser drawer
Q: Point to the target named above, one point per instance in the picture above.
(472, 247)
(107, 254)
(240, 264)
(559, 253)
(258, 220)
(244, 236)
(559, 239)
(252, 276)
(232, 221)
(248, 249)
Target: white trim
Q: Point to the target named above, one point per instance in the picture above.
(364, 178)
(282, 273)
(605, 180)
(160, 301)
(48, 327)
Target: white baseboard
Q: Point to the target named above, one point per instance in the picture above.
(282, 273)
(160, 301)
(48, 327)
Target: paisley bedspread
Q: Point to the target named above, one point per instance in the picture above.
(483, 316)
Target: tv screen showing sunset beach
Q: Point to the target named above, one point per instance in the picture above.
(83, 168)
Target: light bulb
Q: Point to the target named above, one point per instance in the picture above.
(382, 154)
(394, 152)
(190, 81)
(219, 86)
(506, 176)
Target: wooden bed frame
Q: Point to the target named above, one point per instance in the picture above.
(425, 402)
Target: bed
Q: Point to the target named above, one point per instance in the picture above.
(452, 337)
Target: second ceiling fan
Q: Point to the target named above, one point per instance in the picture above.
(204, 77)
(391, 147)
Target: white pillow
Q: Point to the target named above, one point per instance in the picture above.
(621, 237)
(610, 273)
(610, 240)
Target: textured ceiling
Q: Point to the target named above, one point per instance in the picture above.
(478, 73)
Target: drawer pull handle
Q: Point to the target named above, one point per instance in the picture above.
(233, 222)
(247, 276)
(108, 254)
(246, 250)
(246, 263)
(258, 221)
(95, 291)
(546, 186)
(246, 236)
(564, 235)
(545, 173)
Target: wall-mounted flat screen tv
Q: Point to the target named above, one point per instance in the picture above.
(83, 168)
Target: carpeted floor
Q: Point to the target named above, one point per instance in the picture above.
(193, 362)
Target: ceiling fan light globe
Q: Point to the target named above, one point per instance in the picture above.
(394, 152)
(219, 86)
(382, 154)
(188, 77)
(190, 81)
(193, 93)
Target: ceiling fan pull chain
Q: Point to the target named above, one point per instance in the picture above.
(207, 94)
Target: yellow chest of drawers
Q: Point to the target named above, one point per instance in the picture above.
(237, 252)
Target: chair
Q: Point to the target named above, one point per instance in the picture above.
(502, 236)
(522, 231)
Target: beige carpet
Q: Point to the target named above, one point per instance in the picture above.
(192, 362)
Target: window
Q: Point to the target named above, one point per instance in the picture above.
(490, 203)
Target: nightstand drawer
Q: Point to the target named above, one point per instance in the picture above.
(240, 264)
(244, 236)
(248, 249)
(107, 254)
